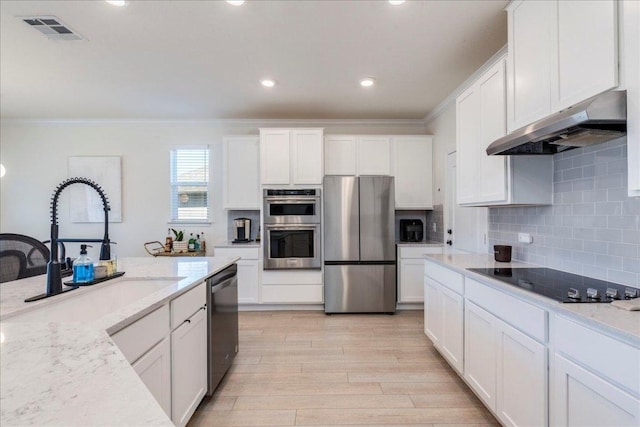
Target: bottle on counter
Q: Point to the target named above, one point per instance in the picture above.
(197, 243)
(168, 243)
(258, 235)
(203, 243)
(83, 267)
(192, 244)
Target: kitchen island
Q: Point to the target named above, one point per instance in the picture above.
(71, 372)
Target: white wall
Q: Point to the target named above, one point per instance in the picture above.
(35, 155)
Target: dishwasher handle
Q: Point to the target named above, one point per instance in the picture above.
(223, 279)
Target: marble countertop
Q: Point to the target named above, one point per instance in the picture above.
(622, 324)
(71, 373)
(230, 244)
(422, 243)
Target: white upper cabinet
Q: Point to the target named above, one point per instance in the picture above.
(291, 156)
(484, 180)
(493, 169)
(560, 53)
(585, 54)
(241, 171)
(274, 156)
(413, 158)
(529, 61)
(306, 151)
(631, 60)
(340, 155)
(408, 158)
(467, 130)
(357, 155)
(374, 155)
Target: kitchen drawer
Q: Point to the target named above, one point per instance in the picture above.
(292, 294)
(528, 318)
(292, 277)
(606, 356)
(244, 253)
(445, 276)
(186, 304)
(139, 337)
(418, 251)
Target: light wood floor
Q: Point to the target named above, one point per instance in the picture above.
(307, 368)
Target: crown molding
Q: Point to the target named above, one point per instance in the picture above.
(219, 122)
(439, 109)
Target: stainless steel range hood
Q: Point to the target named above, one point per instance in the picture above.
(598, 119)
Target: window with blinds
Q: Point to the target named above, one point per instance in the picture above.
(190, 184)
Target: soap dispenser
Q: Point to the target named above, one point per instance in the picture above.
(83, 267)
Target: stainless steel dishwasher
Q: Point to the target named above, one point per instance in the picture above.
(222, 323)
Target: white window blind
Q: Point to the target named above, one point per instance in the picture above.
(190, 184)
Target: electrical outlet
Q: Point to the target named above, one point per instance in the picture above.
(525, 238)
(435, 227)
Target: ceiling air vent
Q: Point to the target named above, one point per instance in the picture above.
(51, 27)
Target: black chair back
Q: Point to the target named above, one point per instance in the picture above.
(21, 256)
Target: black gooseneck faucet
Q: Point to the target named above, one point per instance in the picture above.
(54, 276)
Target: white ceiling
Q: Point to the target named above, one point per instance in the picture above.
(204, 59)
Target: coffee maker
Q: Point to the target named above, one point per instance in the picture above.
(241, 230)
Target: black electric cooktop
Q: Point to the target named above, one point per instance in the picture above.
(559, 285)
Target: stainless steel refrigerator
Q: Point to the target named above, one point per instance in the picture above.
(359, 244)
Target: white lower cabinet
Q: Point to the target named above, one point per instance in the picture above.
(505, 368)
(521, 372)
(452, 342)
(249, 281)
(444, 320)
(531, 366)
(249, 271)
(594, 378)
(410, 278)
(411, 272)
(480, 353)
(188, 367)
(432, 311)
(154, 369)
(292, 287)
(168, 350)
(582, 398)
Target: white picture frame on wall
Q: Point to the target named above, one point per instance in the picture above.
(85, 205)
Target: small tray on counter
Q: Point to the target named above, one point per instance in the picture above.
(95, 281)
(199, 253)
(157, 249)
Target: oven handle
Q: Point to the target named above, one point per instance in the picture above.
(292, 200)
(284, 227)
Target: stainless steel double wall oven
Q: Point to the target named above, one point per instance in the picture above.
(292, 229)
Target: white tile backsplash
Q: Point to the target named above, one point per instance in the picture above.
(593, 228)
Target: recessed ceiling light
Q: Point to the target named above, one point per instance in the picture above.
(119, 3)
(396, 2)
(3, 171)
(367, 82)
(267, 82)
(235, 2)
